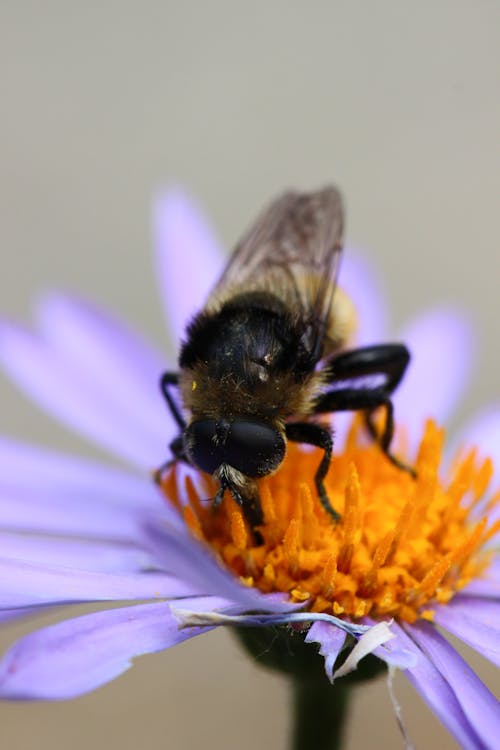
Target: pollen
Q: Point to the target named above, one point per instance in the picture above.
(403, 545)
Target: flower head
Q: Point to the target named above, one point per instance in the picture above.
(408, 554)
(403, 545)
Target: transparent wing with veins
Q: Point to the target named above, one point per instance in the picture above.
(292, 251)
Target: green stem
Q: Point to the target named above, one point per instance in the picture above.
(319, 712)
(319, 708)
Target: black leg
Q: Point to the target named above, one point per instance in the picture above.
(385, 438)
(388, 360)
(160, 471)
(387, 363)
(166, 380)
(217, 500)
(177, 450)
(250, 506)
(315, 434)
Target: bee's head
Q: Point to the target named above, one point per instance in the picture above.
(253, 448)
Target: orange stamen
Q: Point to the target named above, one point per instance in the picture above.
(192, 522)
(238, 530)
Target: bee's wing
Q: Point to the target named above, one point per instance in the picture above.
(292, 251)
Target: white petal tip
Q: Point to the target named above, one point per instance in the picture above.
(369, 641)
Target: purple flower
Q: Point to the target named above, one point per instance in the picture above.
(79, 531)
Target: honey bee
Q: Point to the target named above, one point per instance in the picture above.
(266, 355)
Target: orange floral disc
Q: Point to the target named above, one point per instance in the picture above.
(402, 543)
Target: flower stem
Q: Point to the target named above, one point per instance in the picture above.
(319, 708)
(319, 712)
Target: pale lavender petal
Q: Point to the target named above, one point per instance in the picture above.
(214, 610)
(484, 432)
(437, 693)
(124, 368)
(193, 563)
(441, 347)
(330, 639)
(234, 616)
(475, 621)
(189, 258)
(25, 585)
(104, 557)
(59, 475)
(391, 652)
(70, 393)
(25, 510)
(202, 604)
(359, 278)
(488, 586)
(478, 704)
(47, 492)
(78, 655)
(7, 615)
(340, 422)
(399, 658)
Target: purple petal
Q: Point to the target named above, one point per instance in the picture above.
(399, 658)
(484, 432)
(188, 256)
(48, 492)
(475, 621)
(78, 655)
(124, 368)
(359, 278)
(391, 651)
(22, 510)
(331, 640)
(24, 585)
(479, 705)
(8, 615)
(103, 557)
(70, 393)
(201, 604)
(193, 563)
(436, 692)
(488, 586)
(58, 475)
(441, 346)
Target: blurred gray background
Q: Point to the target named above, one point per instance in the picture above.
(101, 103)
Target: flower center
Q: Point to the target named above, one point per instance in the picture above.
(402, 543)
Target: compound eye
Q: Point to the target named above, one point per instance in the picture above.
(254, 448)
(201, 445)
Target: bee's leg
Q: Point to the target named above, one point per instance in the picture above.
(388, 360)
(384, 439)
(176, 446)
(160, 471)
(315, 434)
(166, 380)
(350, 369)
(251, 507)
(177, 450)
(219, 495)
(249, 504)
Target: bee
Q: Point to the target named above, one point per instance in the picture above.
(266, 355)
